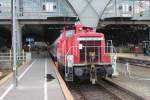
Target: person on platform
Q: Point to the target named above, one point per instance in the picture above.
(136, 50)
(144, 51)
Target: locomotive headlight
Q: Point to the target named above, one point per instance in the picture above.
(79, 72)
(115, 57)
(80, 29)
(70, 58)
(80, 46)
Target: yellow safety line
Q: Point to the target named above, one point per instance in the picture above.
(65, 89)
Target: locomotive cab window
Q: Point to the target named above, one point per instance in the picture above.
(69, 33)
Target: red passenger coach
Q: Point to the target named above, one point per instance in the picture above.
(83, 53)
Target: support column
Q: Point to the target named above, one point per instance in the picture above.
(148, 32)
(115, 8)
(21, 8)
(14, 41)
(133, 8)
(58, 4)
(20, 31)
(19, 38)
(19, 13)
(148, 39)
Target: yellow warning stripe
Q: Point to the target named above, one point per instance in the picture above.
(65, 89)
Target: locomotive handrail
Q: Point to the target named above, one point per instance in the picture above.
(111, 51)
(114, 51)
(91, 46)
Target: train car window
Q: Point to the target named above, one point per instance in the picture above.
(130, 8)
(69, 33)
(44, 7)
(120, 7)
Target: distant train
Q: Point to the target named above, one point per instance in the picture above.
(83, 53)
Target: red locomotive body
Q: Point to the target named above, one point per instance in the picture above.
(82, 52)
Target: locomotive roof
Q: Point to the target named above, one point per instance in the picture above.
(77, 26)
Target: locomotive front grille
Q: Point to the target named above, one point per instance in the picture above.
(88, 47)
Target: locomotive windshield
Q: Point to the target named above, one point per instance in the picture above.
(69, 33)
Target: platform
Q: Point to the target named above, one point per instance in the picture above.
(137, 76)
(33, 84)
(132, 56)
(137, 79)
(139, 60)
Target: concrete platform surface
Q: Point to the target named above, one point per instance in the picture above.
(137, 78)
(33, 84)
(132, 56)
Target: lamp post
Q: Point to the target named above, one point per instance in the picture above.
(14, 42)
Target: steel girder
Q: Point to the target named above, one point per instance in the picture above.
(89, 11)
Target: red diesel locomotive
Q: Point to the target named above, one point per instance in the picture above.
(83, 53)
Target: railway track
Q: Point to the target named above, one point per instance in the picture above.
(103, 90)
(86, 91)
(135, 62)
(119, 91)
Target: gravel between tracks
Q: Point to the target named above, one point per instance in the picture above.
(120, 92)
(103, 90)
(87, 91)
